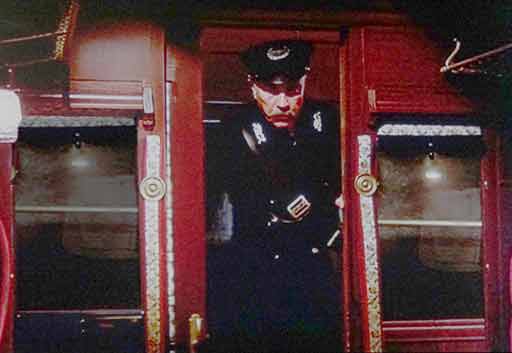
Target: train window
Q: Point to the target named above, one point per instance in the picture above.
(430, 230)
(76, 218)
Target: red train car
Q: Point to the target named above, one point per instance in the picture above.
(113, 215)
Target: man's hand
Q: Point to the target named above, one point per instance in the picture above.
(339, 202)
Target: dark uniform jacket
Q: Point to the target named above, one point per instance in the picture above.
(283, 188)
(272, 175)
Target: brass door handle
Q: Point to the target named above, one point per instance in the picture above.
(152, 188)
(196, 328)
(366, 184)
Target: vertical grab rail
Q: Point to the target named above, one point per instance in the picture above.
(5, 278)
(196, 329)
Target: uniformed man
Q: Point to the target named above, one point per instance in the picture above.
(283, 182)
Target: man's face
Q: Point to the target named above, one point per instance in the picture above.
(280, 100)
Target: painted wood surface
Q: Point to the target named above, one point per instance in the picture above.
(183, 73)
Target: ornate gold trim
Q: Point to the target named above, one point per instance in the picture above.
(171, 299)
(428, 130)
(66, 27)
(75, 121)
(369, 228)
(152, 247)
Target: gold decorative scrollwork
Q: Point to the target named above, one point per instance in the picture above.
(366, 185)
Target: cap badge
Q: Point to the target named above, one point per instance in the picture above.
(278, 54)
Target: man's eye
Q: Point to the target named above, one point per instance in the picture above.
(294, 90)
(291, 90)
(275, 90)
(268, 89)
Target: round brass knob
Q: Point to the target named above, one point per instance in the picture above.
(366, 184)
(152, 188)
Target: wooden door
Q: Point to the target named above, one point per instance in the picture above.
(394, 88)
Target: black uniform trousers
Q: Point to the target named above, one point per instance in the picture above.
(281, 293)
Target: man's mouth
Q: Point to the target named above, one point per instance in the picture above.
(280, 121)
(280, 118)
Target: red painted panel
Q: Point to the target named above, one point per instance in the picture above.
(434, 330)
(58, 106)
(467, 335)
(354, 125)
(401, 64)
(391, 98)
(112, 59)
(225, 78)
(504, 202)
(111, 52)
(491, 243)
(447, 346)
(402, 55)
(346, 244)
(323, 79)
(131, 88)
(187, 164)
(234, 40)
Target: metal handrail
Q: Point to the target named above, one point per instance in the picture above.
(385, 222)
(75, 209)
(32, 37)
(454, 67)
(429, 223)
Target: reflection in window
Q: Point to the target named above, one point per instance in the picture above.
(76, 218)
(429, 211)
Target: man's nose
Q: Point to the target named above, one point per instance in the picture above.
(282, 103)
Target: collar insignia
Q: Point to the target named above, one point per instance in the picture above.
(317, 121)
(258, 132)
(275, 54)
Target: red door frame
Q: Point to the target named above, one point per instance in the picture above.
(7, 246)
(184, 115)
